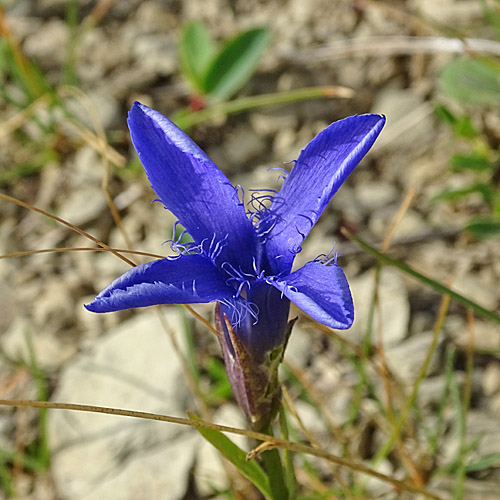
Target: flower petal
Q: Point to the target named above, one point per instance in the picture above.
(191, 186)
(322, 292)
(260, 320)
(320, 170)
(187, 279)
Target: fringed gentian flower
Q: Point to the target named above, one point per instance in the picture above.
(240, 259)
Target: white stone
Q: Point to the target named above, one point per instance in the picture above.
(491, 379)
(376, 194)
(49, 45)
(406, 360)
(48, 350)
(155, 53)
(298, 349)
(392, 313)
(83, 205)
(449, 12)
(409, 119)
(100, 456)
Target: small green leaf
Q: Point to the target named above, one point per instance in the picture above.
(487, 191)
(491, 460)
(445, 115)
(465, 128)
(471, 81)
(235, 63)
(483, 228)
(250, 469)
(473, 162)
(196, 50)
(462, 126)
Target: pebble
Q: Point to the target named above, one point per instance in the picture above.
(448, 12)
(406, 360)
(48, 46)
(399, 105)
(391, 315)
(491, 379)
(135, 367)
(375, 194)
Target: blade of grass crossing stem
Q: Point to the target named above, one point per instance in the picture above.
(250, 469)
(435, 285)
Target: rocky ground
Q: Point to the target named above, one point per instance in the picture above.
(51, 345)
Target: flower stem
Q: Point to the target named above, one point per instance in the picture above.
(271, 462)
(291, 480)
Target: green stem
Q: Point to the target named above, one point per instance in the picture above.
(186, 121)
(291, 480)
(271, 461)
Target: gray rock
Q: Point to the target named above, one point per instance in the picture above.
(8, 306)
(491, 379)
(211, 469)
(104, 109)
(409, 119)
(486, 335)
(48, 349)
(298, 349)
(483, 428)
(155, 53)
(243, 145)
(482, 291)
(376, 194)
(393, 310)
(82, 206)
(100, 456)
(449, 12)
(49, 45)
(405, 360)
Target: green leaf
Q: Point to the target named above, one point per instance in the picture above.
(491, 460)
(196, 50)
(487, 191)
(465, 128)
(249, 468)
(235, 63)
(462, 126)
(471, 81)
(474, 162)
(444, 114)
(483, 228)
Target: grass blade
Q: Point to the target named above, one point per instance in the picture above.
(435, 285)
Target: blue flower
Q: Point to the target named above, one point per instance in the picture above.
(243, 259)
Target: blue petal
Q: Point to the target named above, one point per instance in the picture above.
(320, 170)
(322, 292)
(187, 279)
(260, 320)
(191, 186)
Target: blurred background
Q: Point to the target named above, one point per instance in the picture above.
(412, 390)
